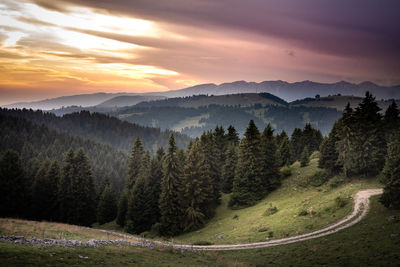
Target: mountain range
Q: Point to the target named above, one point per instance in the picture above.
(285, 90)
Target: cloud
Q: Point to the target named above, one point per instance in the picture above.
(146, 44)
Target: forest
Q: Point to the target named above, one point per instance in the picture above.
(176, 190)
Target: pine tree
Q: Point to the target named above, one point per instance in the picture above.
(345, 136)
(248, 182)
(329, 155)
(135, 161)
(122, 208)
(13, 186)
(211, 164)
(84, 191)
(198, 191)
(362, 145)
(285, 153)
(232, 136)
(107, 207)
(270, 158)
(220, 143)
(44, 191)
(228, 171)
(391, 120)
(153, 189)
(305, 157)
(391, 194)
(65, 193)
(171, 192)
(296, 142)
(136, 218)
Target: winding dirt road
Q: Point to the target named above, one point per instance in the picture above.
(361, 207)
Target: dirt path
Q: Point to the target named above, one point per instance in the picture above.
(361, 207)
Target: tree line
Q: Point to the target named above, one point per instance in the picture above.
(172, 191)
(364, 142)
(59, 192)
(178, 190)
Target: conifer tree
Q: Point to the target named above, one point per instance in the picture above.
(135, 161)
(13, 185)
(345, 136)
(270, 158)
(232, 136)
(219, 140)
(84, 191)
(285, 153)
(391, 120)
(391, 194)
(248, 182)
(44, 191)
(296, 142)
(228, 171)
(171, 192)
(122, 208)
(329, 155)
(107, 207)
(136, 218)
(198, 190)
(305, 157)
(153, 189)
(362, 145)
(311, 138)
(65, 192)
(211, 164)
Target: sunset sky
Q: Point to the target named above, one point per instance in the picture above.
(53, 48)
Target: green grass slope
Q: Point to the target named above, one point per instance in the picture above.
(375, 241)
(295, 196)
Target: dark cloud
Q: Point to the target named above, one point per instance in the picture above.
(358, 28)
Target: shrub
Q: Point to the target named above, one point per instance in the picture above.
(263, 229)
(336, 181)
(340, 202)
(271, 210)
(285, 171)
(318, 178)
(235, 217)
(202, 243)
(303, 213)
(156, 229)
(270, 234)
(315, 155)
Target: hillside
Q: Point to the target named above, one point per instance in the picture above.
(290, 91)
(84, 100)
(193, 115)
(285, 90)
(243, 100)
(36, 143)
(295, 196)
(101, 128)
(374, 241)
(127, 100)
(337, 101)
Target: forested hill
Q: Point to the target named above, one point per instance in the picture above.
(195, 101)
(101, 128)
(37, 143)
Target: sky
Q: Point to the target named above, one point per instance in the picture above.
(50, 48)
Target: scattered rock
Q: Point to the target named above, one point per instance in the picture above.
(392, 219)
(220, 237)
(83, 257)
(394, 235)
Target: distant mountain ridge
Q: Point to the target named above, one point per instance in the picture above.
(285, 90)
(291, 91)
